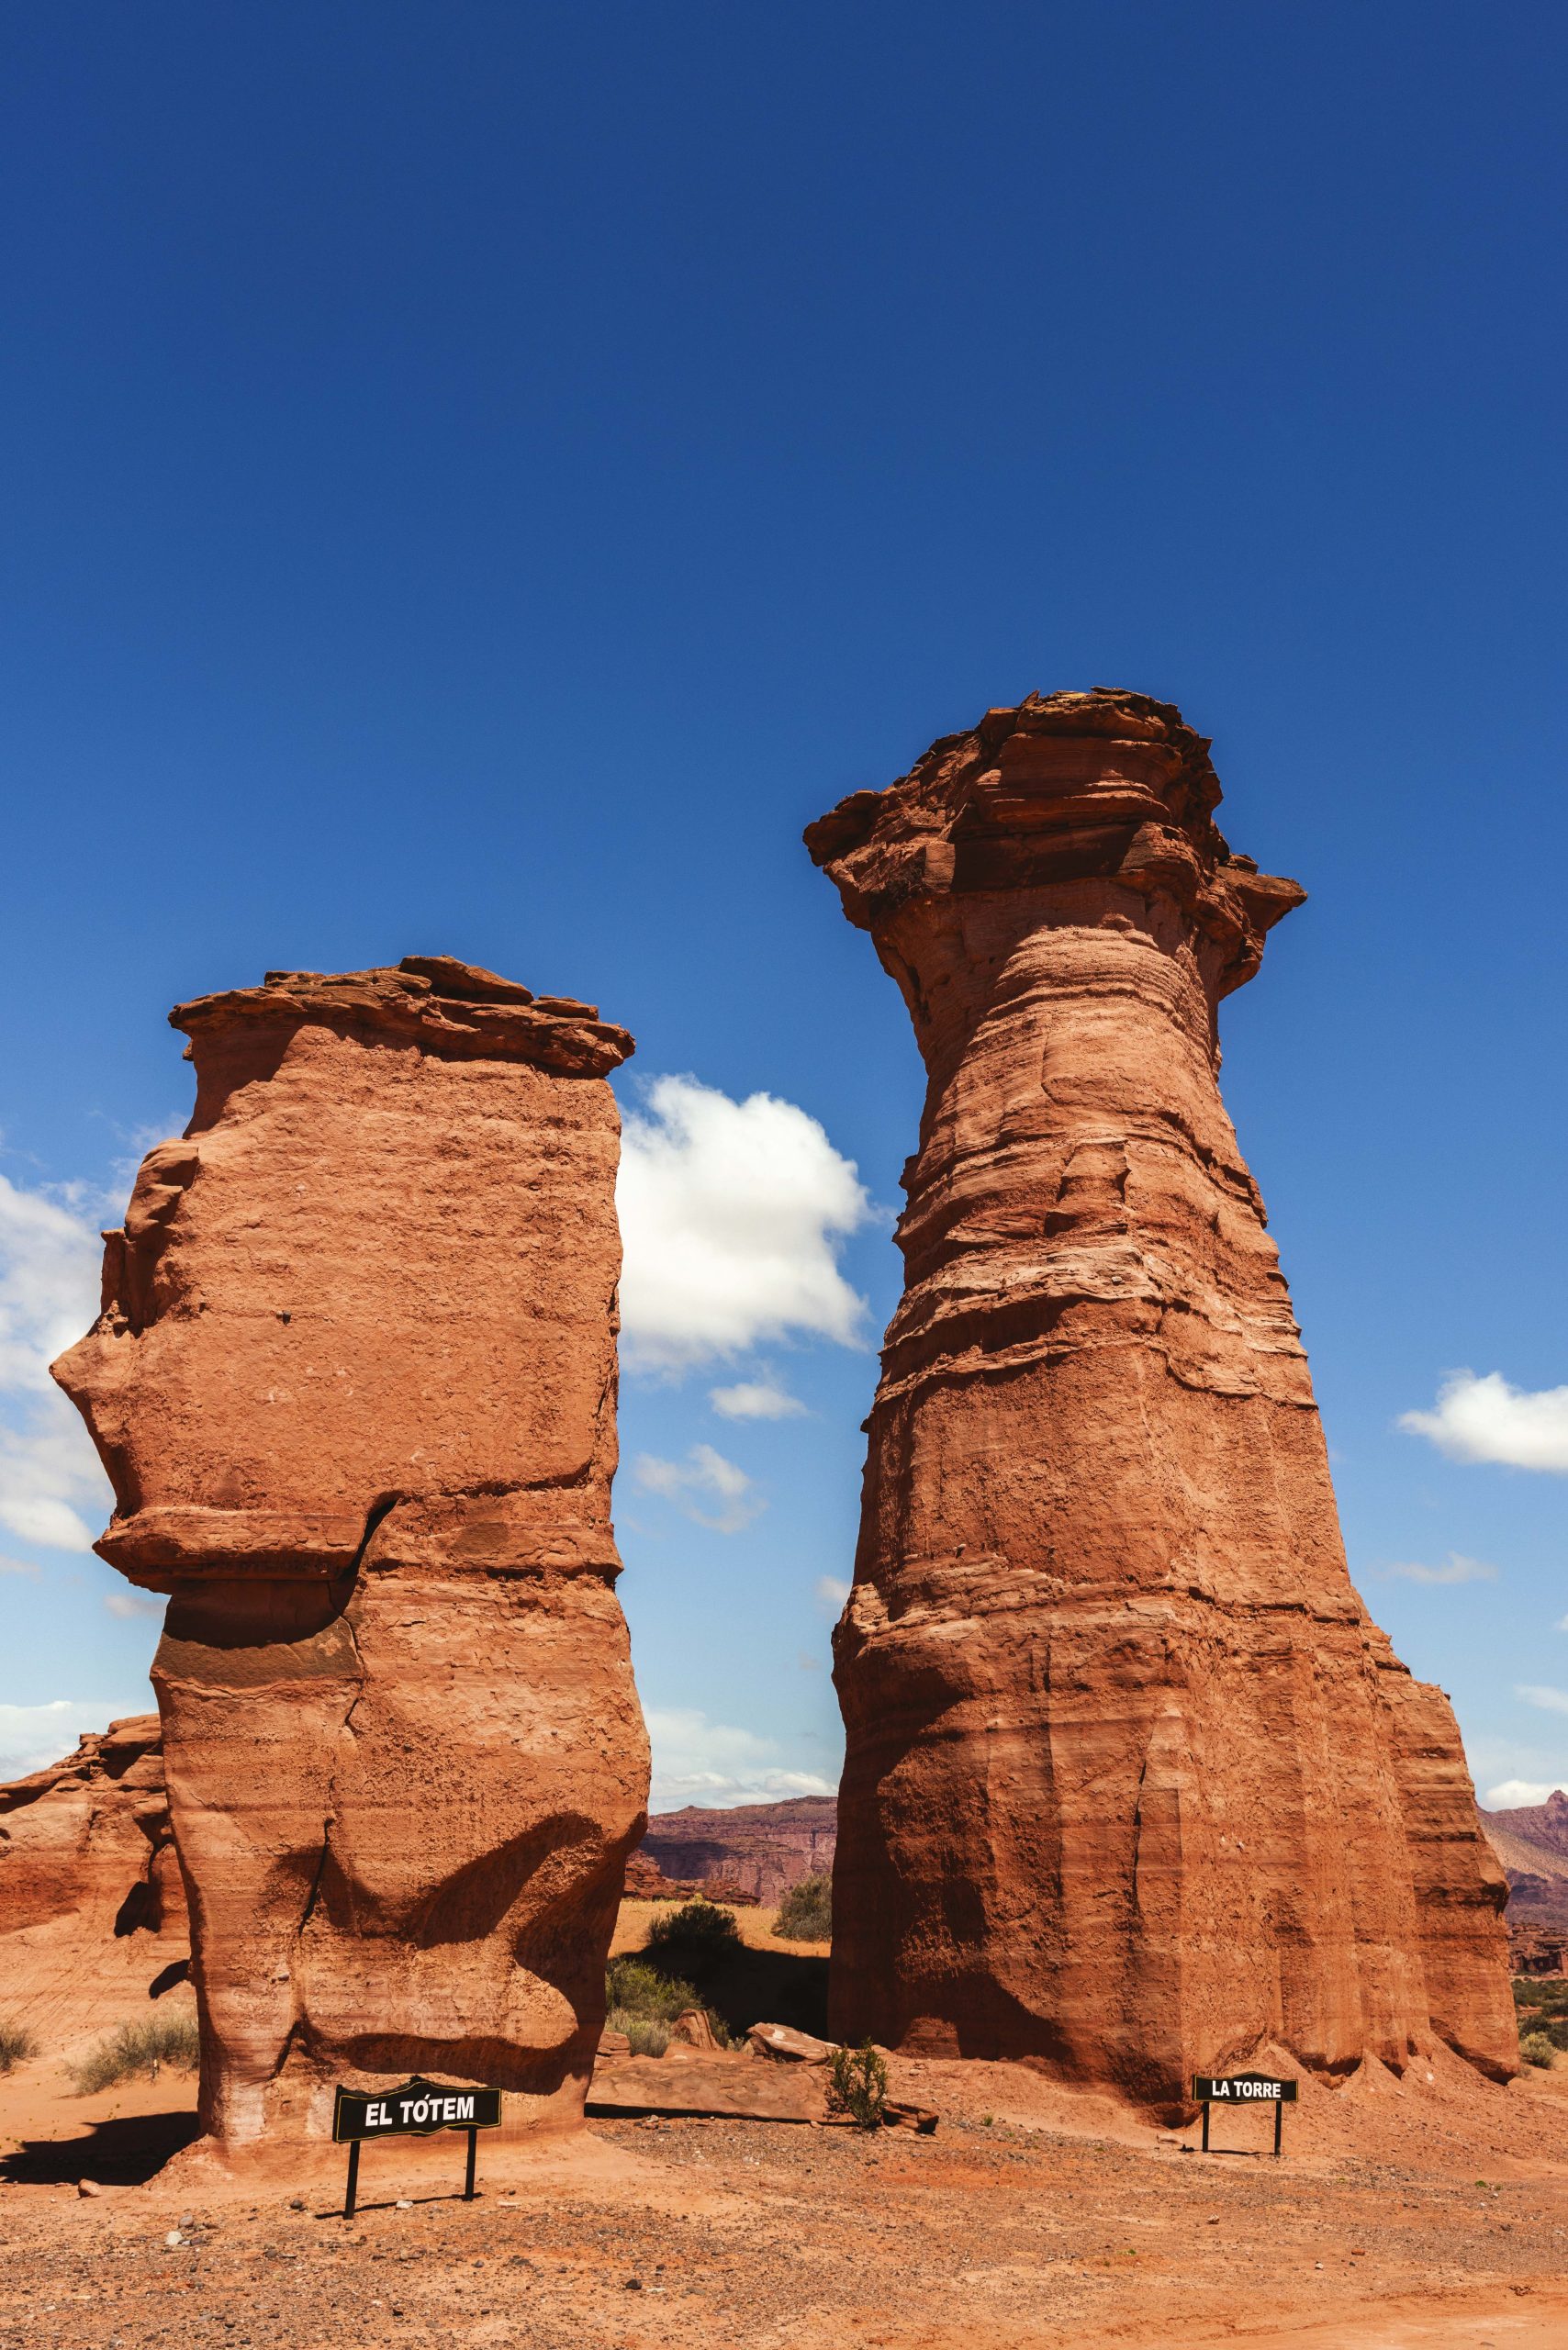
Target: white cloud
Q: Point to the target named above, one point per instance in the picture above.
(1457, 1568)
(715, 1763)
(17, 1566)
(831, 1594)
(32, 1736)
(704, 1475)
(1485, 1420)
(1515, 1795)
(129, 1605)
(1551, 1701)
(51, 1483)
(756, 1399)
(731, 1215)
(1561, 1625)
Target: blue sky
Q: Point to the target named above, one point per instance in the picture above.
(480, 480)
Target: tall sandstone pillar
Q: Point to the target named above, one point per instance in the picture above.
(1134, 1785)
(354, 1384)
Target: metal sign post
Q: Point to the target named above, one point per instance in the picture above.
(1243, 2088)
(416, 2109)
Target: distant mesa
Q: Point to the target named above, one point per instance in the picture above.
(762, 1849)
(1532, 1844)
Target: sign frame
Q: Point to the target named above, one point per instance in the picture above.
(1244, 2088)
(362, 2114)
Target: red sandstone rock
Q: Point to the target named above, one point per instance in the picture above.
(354, 1384)
(1133, 1783)
(92, 1905)
(787, 2046)
(92, 1834)
(694, 2030)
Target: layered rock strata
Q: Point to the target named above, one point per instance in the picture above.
(1134, 1785)
(764, 1847)
(89, 1837)
(354, 1384)
(91, 1905)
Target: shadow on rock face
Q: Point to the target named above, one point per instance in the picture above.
(123, 2153)
(747, 1987)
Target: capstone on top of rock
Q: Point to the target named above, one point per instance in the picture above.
(445, 1006)
(1057, 788)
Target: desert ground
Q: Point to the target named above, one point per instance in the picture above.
(1407, 2213)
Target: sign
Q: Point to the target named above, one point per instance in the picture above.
(415, 2109)
(1242, 2089)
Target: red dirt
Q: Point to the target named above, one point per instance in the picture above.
(1406, 2215)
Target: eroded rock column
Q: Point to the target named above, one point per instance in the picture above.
(354, 1384)
(1134, 1785)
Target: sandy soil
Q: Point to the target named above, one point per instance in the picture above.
(1424, 2214)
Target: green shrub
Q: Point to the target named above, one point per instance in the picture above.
(1547, 1995)
(643, 2003)
(699, 1927)
(1537, 2049)
(858, 2085)
(806, 1914)
(648, 2035)
(634, 1987)
(139, 2048)
(16, 2046)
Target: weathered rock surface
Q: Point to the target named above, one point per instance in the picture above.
(787, 2047)
(764, 1847)
(1133, 1785)
(92, 1905)
(354, 1384)
(89, 1837)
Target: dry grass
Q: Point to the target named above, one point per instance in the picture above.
(16, 2046)
(642, 2002)
(806, 1914)
(756, 1928)
(139, 2048)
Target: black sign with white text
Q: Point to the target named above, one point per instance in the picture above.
(1242, 2089)
(413, 2109)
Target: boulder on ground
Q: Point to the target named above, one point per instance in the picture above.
(790, 2047)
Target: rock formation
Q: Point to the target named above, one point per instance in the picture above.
(92, 1905)
(646, 1881)
(1134, 1785)
(92, 1834)
(354, 1384)
(762, 1847)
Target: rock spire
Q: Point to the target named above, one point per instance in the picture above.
(1134, 1785)
(354, 1384)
